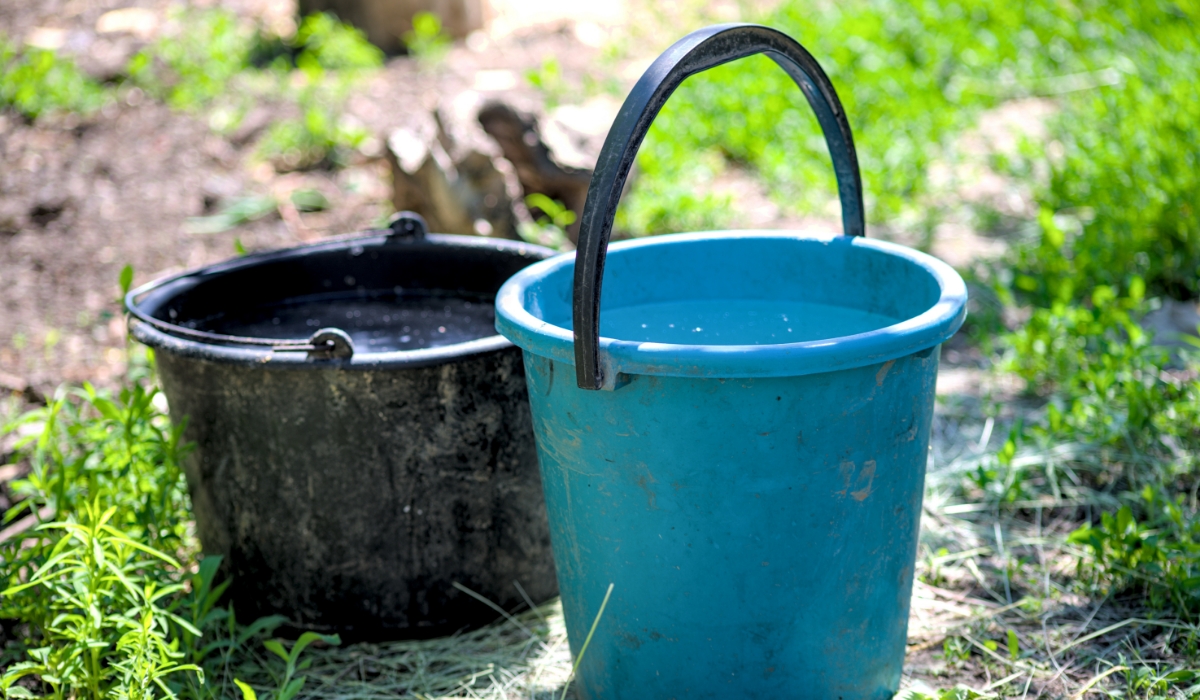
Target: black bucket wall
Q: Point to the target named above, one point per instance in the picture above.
(363, 439)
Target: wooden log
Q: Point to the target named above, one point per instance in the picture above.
(385, 22)
(536, 167)
(469, 165)
(448, 171)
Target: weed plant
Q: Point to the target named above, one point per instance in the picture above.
(36, 82)
(195, 63)
(95, 584)
(427, 41)
(209, 59)
(914, 76)
(1124, 189)
(329, 59)
(103, 631)
(109, 599)
(911, 76)
(108, 452)
(550, 227)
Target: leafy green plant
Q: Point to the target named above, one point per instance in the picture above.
(957, 693)
(316, 69)
(224, 642)
(1147, 681)
(911, 76)
(101, 604)
(322, 42)
(37, 81)
(120, 452)
(669, 195)
(331, 58)
(193, 65)
(1117, 225)
(1157, 556)
(106, 610)
(1129, 167)
(914, 76)
(290, 684)
(998, 479)
(1109, 385)
(427, 42)
(321, 135)
(235, 213)
(95, 585)
(548, 80)
(550, 227)
(103, 630)
(309, 200)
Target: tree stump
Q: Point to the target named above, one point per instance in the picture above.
(467, 167)
(537, 168)
(385, 22)
(448, 171)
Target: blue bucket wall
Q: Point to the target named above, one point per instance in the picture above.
(759, 521)
(760, 533)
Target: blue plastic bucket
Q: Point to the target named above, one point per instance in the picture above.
(749, 474)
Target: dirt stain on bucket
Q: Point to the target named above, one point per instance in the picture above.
(866, 475)
(861, 478)
(643, 482)
(883, 372)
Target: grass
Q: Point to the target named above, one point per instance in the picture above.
(210, 60)
(989, 566)
(37, 82)
(525, 657)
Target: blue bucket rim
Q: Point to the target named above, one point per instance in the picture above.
(923, 331)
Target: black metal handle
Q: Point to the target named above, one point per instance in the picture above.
(697, 52)
(326, 343)
(407, 226)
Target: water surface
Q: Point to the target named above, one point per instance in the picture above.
(379, 324)
(737, 322)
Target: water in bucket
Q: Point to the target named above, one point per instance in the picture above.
(738, 322)
(404, 321)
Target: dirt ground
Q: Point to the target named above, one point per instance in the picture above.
(82, 197)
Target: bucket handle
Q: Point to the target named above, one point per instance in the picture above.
(697, 52)
(326, 344)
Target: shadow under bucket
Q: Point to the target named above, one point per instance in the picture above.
(742, 451)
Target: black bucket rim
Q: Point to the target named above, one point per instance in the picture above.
(142, 327)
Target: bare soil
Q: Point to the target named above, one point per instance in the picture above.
(80, 197)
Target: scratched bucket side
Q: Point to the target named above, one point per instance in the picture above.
(760, 533)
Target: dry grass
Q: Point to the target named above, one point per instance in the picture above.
(1013, 574)
(525, 656)
(984, 571)
(990, 573)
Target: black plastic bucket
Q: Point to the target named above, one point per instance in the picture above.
(363, 439)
